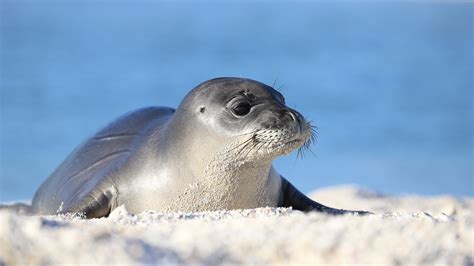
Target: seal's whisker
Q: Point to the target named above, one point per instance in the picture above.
(239, 153)
(309, 142)
(299, 154)
(242, 144)
(247, 151)
(249, 133)
(275, 81)
(254, 145)
(314, 131)
(306, 147)
(314, 135)
(258, 146)
(246, 141)
(252, 148)
(245, 147)
(248, 145)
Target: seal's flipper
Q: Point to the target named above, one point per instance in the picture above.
(292, 197)
(97, 203)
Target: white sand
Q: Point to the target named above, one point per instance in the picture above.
(406, 230)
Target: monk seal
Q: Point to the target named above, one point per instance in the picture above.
(213, 152)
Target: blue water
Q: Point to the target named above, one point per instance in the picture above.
(390, 85)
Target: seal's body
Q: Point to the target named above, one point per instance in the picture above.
(213, 152)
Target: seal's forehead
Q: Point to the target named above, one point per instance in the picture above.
(224, 89)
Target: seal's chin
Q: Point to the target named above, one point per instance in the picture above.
(296, 142)
(302, 139)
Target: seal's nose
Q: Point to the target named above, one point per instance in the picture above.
(286, 118)
(292, 116)
(288, 115)
(301, 122)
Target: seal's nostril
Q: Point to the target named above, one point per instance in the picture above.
(293, 116)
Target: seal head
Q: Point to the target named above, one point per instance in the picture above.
(250, 115)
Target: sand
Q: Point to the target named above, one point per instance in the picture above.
(405, 230)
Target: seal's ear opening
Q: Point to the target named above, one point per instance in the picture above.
(202, 109)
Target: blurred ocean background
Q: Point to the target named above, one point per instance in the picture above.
(389, 84)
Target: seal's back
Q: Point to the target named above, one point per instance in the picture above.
(87, 167)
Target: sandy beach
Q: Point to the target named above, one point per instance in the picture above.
(405, 230)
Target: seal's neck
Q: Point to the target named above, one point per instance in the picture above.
(216, 175)
(236, 183)
(189, 144)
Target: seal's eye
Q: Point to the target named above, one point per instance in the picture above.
(242, 109)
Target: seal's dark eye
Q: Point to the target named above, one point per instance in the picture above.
(242, 109)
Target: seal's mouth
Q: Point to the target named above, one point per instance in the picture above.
(304, 134)
(275, 142)
(295, 141)
(302, 141)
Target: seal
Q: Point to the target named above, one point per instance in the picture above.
(213, 152)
